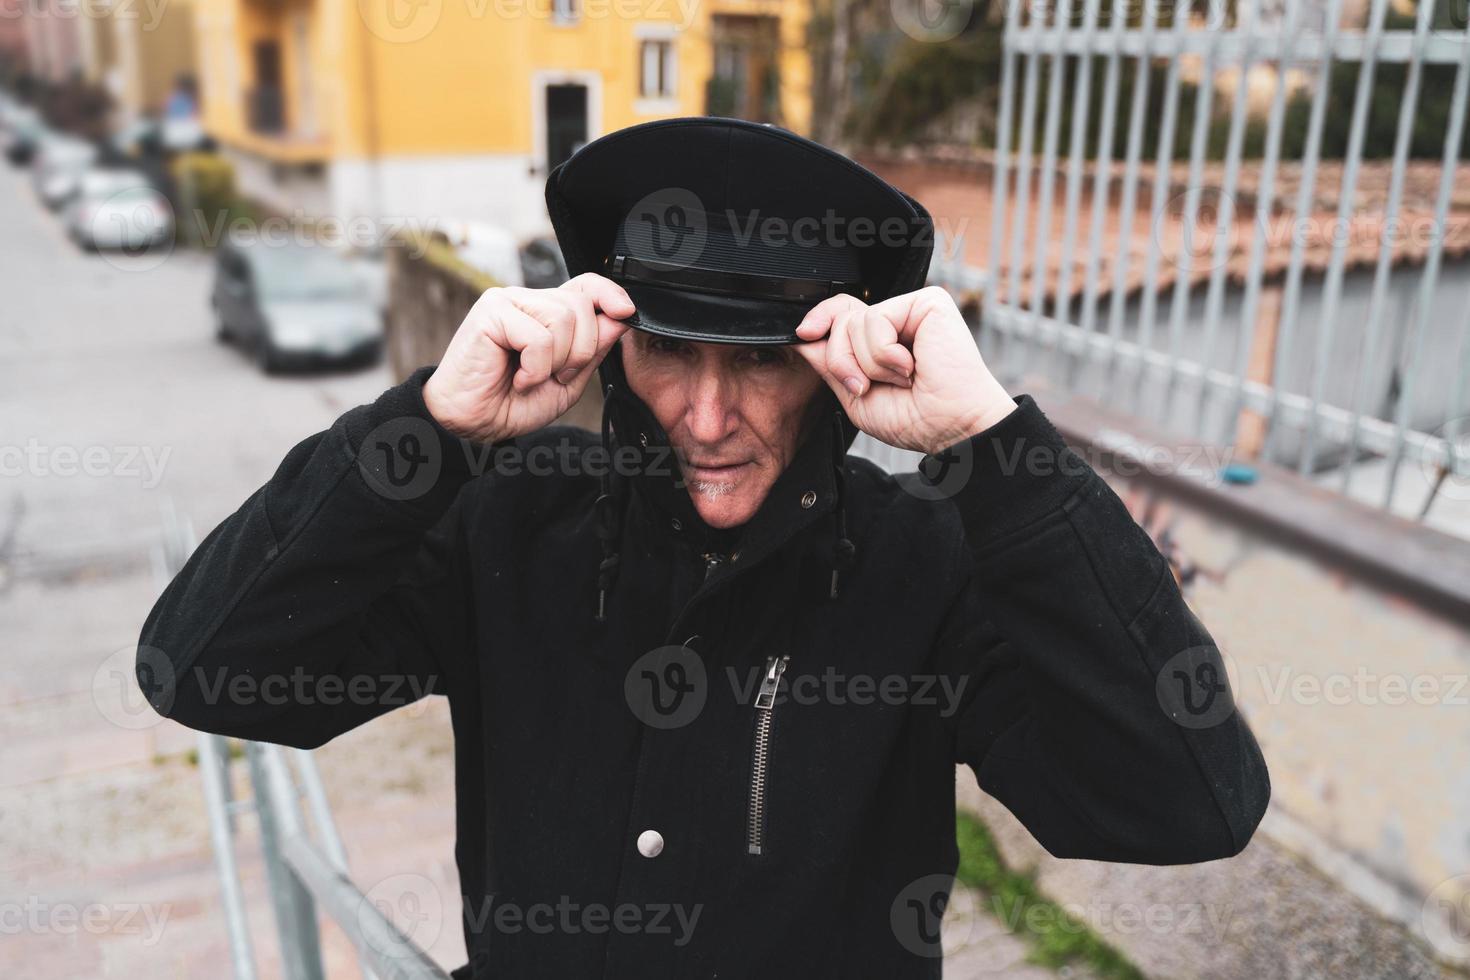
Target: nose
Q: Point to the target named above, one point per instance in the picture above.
(711, 416)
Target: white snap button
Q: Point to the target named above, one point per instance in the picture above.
(808, 499)
(650, 843)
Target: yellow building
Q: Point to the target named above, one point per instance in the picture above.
(137, 50)
(448, 110)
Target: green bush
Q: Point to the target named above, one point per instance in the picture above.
(205, 185)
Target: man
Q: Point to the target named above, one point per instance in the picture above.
(710, 677)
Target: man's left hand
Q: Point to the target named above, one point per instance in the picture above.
(906, 370)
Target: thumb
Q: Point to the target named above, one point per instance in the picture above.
(609, 332)
(814, 352)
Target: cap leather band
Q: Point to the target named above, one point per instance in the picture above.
(694, 279)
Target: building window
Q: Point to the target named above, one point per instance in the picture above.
(565, 11)
(746, 81)
(656, 69)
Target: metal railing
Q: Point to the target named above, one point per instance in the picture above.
(305, 874)
(1183, 331)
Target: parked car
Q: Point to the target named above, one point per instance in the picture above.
(293, 305)
(542, 266)
(24, 131)
(370, 265)
(58, 167)
(11, 112)
(118, 209)
(484, 246)
(535, 263)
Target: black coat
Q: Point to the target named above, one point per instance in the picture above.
(1005, 612)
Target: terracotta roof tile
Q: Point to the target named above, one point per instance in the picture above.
(956, 188)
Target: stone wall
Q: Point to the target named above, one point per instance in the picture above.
(429, 293)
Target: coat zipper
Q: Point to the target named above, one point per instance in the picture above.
(765, 702)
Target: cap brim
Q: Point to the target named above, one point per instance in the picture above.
(709, 319)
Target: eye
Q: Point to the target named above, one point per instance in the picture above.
(766, 356)
(667, 345)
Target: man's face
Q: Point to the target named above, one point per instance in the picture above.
(733, 413)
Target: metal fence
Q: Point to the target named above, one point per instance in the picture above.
(1150, 292)
(304, 873)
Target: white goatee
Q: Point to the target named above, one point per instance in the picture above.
(711, 489)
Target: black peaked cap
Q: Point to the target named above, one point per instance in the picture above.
(728, 231)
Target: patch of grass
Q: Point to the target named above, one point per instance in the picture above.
(234, 748)
(1056, 938)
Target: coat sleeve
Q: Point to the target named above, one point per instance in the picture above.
(1096, 705)
(331, 596)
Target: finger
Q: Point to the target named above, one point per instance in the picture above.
(815, 354)
(869, 333)
(552, 310)
(606, 295)
(898, 360)
(609, 332)
(840, 359)
(908, 311)
(584, 336)
(530, 340)
(887, 350)
(819, 319)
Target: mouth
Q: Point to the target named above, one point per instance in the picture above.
(714, 472)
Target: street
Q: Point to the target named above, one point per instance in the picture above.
(117, 405)
(101, 350)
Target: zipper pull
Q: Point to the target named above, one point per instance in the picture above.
(712, 561)
(765, 700)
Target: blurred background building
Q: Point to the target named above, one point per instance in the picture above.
(459, 110)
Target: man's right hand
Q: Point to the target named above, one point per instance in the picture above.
(522, 357)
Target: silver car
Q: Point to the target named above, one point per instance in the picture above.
(58, 167)
(24, 133)
(118, 209)
(294, 305)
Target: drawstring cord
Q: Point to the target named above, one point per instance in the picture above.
(845, 551)
(607, 515)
